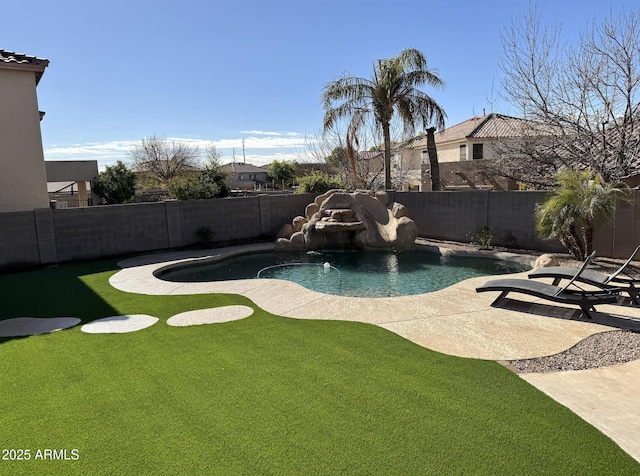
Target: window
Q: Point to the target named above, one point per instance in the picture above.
(241, 176)
(463, 152)
(477, 151)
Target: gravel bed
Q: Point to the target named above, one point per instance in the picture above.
(598, 350)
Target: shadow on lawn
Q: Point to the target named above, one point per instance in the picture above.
(612, 320)
(54, 292)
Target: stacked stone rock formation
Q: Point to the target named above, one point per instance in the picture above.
(342, 220)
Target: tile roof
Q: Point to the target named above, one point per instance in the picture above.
(13, 60)
(497, 125)
(240, 167)
(370, 154)
(488, 126)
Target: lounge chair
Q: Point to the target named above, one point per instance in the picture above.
(585, 299)
(618, 279)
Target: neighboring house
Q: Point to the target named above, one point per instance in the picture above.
(67, 194)
(461, 149)
(23, 181)
(245, 176)
(69, 182)
(406, 167)
(464, 148)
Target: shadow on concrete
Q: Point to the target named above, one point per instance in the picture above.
(617, 320)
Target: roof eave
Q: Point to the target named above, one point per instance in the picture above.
(38, 67)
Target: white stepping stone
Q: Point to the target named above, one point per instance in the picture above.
(214, 315)
(119, 324)
(29, 326)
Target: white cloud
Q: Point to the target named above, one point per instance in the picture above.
(263, 159)
(258, 149)
(107, 153)
(268, 142)
(269, 133)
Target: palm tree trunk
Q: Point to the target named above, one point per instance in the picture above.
(569, 243)
(587, 235)
(576, 242)
(387, 156)
(433, 160)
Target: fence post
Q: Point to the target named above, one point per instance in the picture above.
(46, 235)
(264, 203)
(174, 228)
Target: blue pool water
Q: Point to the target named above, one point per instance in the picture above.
(347, 273)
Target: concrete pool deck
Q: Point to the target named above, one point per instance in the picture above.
(455, 321)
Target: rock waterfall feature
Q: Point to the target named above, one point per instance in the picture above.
(342, 220)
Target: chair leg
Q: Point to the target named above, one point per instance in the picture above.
(634, 294)
(586, 310)
(502, 295)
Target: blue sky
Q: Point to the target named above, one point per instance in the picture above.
(222, 71)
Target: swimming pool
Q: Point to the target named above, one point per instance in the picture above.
(347, 273)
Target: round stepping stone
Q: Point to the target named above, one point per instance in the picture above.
(212, 315)
(119, 324)
(29, 326)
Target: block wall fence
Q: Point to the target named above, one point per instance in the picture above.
(47, 236)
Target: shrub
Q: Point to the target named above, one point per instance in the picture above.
(318, 182)
(209, 184)
(482, 237)
(117, 184)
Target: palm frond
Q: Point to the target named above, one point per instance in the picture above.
(392, 90)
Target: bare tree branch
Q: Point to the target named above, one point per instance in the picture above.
(162, 160)
(584, 99)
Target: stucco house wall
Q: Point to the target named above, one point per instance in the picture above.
(245, 176)
(450, 152)
(406, 166)
(23, 181)
(458, 162)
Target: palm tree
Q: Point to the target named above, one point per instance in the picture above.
(581, 202)
(393, 89)
(434, 166)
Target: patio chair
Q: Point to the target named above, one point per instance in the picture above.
(618, 279)
(585, 299)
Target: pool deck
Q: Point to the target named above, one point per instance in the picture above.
(455, 321)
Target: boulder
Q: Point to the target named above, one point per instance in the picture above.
(399, 210)
(298, 222)
(285, 232)
(545, 261)
(359, 220)
(311, 210)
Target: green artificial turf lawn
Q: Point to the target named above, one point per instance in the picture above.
(263, 395)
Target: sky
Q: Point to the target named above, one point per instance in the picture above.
(220, 72)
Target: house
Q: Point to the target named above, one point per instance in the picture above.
(463, 150)
(69, 183)
(245, 176)
(406, 167)
(23, 181)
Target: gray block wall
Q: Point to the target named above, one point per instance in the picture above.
(45, 236)
(94, 232)
(228, 219)
(623, 235)
(284, 208)
(456, 215)
(18, 241)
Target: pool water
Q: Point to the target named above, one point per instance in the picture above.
(347, 273)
